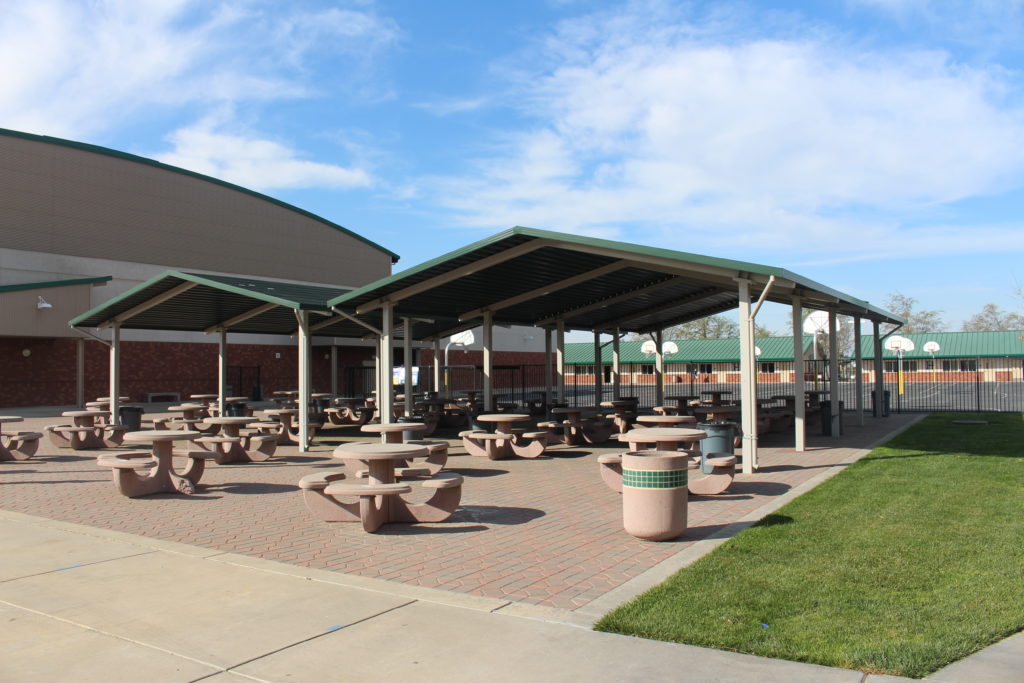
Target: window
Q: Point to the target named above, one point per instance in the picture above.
(735, 367)
(962, 365)
(892, 366)
(585, 370)
(705, 368)
(910, 366)
(766, 367)
(647, 369)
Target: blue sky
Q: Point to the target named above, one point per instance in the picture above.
(872, 145)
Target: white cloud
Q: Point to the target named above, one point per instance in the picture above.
(706, 139)
(74, 69)
(254, 163)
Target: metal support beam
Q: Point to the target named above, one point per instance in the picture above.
(437, 366)
(833, 372)
(79, 372)
(549, 389)
(334, 370)
(146, 305)
(879, 370)
(488, 361)
(304, 379)
(858, 362)
(385, 397)
(598, 371)
(659, 370)
(455, 274)
(748, 380)
(560, 360)
(115, 374)
(407, 364)
(549, 289)
(230, 322)
(799, 404)
(616, 367)
(665, 281)
(222, 370)
(344, 316)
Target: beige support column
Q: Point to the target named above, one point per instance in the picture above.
(748, 386)
(334, 369)
(488, 362)
(560, 359)
(799, 405)
(616, 376)
(858, 363)
(833, 371)
(79, 372)
(549, 380)
(598, 371)
(115, 373)
(407, 363)
(385, 395)
(659, 371)
(437, 366)
(222, 370)
(376, 368)
(304, 380)
(879, 370)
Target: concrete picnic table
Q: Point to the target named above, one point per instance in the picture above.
(379, 499)
(192, 414)
(204, 398)
(624, 410)
(576, 429)
(716, 396)
(663, 438)
(506, 440)
(230, 445)
(348, 411)
(392, 433)
(665, 420)
(716, 412)
(88, 431)
(17, 445)
(287, 432)
(161, 477)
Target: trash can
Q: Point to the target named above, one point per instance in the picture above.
(409, 435)
(654, 494)
(826, 418)
(721, 437)
(131, 417)
(886, 404)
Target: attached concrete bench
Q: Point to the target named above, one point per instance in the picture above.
(20, 445)
(438, 454)
(723, 471)
(530, 444)
(362, 490)
(611, 470)
(489, 445)
(77, 438)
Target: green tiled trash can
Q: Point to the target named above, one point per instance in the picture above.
(654, 494)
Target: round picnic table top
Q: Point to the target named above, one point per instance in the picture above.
(393, 427)
(503, 417)
(106, 399)
(85, 413)
(666, 419)
(379, 451)
(10, 418)
(155, 435)
(708, 408)
(185, 406)
(235, 399)
(322, 395)
(683, 397)
(200, 396)
(654, 434)
(229, 420)
(569, 411)
(281, 411)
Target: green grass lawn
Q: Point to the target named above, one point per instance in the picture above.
(910, 559)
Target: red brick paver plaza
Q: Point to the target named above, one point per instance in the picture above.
(544, 531)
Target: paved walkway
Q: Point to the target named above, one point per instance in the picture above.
(177, 588)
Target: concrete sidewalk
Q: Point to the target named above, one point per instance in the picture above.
(96, 605)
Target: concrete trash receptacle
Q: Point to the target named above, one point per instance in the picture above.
(721, 436)
(654, 494)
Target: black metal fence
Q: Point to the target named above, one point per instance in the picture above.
(992, 387)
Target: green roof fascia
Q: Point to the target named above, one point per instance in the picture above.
(201, 280)
(106, 151)
(987, 344)
(55, 283)
(773, 349)
(639, 250)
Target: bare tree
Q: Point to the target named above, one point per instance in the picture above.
(993, 318)
(917, 321)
